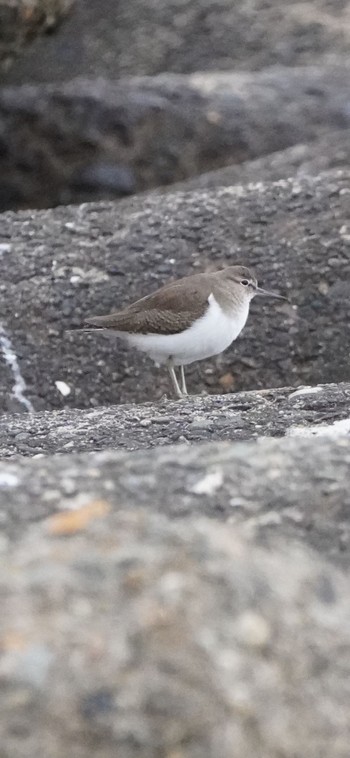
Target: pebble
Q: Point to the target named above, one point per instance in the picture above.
(253, 630)
(5, 248)
(201, 424)
(22, 436)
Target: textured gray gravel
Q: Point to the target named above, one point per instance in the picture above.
(239, 416)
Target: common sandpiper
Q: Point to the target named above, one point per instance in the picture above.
(187, 320)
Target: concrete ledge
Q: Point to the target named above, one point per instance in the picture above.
(296, 487)
(324, 409)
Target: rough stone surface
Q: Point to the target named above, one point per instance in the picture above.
(109, 38)
(95, 139)
(132, 636)
(240, 416)
(133, 623)
(331, 151)
(295, 488)
(22, 20)
(59, 266)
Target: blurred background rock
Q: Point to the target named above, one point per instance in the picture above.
(22, 20)
(127, 96)
(114, 38)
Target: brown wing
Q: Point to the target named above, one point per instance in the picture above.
(170, 310)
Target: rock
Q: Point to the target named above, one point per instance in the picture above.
(88, 140)
(133, 622)
(307, 159)
(133, 636)
(296, 488)
(310, 411)
(70, 262)
(21, 21)
(112, 39)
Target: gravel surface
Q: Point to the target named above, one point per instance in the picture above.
(240, 416)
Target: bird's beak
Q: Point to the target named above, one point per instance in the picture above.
(266, 293)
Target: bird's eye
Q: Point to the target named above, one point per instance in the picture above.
(245, 282)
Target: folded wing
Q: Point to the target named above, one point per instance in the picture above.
(170, 310)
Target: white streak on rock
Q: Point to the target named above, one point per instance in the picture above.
(10, 357)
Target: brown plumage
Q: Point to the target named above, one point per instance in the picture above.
(174, 307)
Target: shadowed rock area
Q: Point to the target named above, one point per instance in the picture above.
(113, 39)
(61, 265)
(87, 140)
(140, 637)
(243, 415)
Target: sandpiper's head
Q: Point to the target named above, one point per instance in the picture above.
(247, 282)
(244, 278)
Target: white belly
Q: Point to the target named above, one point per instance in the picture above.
(209, 335)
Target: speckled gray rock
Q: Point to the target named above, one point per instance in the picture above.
(58, 266)
(240, 416)
(109, 38)
(296, 488)
(21, 21)
(88, 140)
(134, 637)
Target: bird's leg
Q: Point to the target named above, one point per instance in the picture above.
(175, 383)
(173, 378)
(183, 381)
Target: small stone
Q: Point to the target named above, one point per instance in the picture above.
(227, 382)
(323, 288)
(22, 436)
(63, 388)
(8, 480)
(209, 484)
(253, 630)
(201, 423)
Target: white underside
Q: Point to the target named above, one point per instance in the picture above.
(209, 335)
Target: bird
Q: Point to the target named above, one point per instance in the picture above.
(187, 320)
